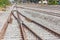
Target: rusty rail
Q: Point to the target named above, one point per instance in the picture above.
(40, 25)
(5, 25)
(23, 25)
(9, 20)
(55, 14)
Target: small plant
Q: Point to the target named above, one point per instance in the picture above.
(3, 3)
(52, 2)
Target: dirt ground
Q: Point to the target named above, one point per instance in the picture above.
(2, 9)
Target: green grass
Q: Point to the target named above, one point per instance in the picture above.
(52, 2)
(3, 3)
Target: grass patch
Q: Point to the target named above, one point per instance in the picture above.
(3, 4)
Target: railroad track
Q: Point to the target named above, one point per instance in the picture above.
(51, 22)
(47, 16)
(28, 29)
(44, 11)
(26, 33)
(47, 29)
(27, 25)
(5, 20)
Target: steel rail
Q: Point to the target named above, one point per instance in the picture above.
(41, 11)
(20, 26)
(39, 38)
(40, 25)
(5, 26)
(3, 31)
(23, 25)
